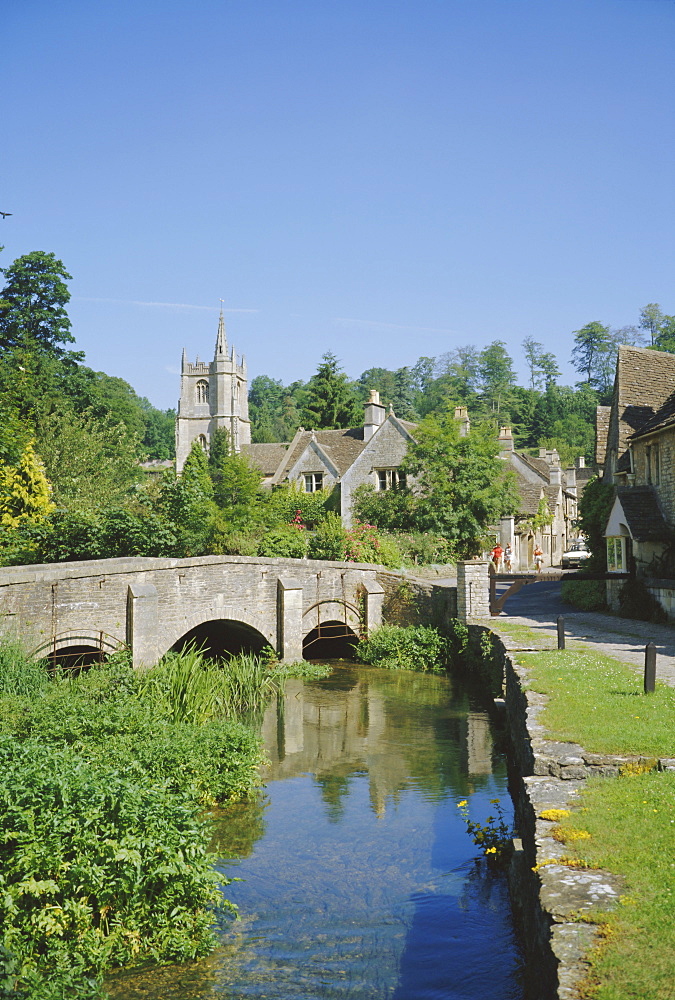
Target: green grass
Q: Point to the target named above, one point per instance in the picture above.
(631, 821)
(598, 702)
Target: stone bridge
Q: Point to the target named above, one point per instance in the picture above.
(154, 605)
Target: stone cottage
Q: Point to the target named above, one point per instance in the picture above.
(637, 456)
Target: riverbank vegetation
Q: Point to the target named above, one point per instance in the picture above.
(411, 647)
(628, 823)
(104, 778)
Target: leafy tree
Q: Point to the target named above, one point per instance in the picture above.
(665, 340)
(34, 304)
(496, 375)
(25, 495)
(461, 486)
(592, 344)
(159, 435)
(234, 482)
(542, 364)
(652, 321)
(331, 400)
(90, 464)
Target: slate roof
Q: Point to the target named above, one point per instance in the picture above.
(266, 457)
(662, 418)
(644, 381)
(643, 514)
(341, 446)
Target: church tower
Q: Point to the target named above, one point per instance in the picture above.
(213, 394)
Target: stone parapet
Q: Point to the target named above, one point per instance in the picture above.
(473, 591)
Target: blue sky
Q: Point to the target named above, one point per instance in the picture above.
(377, 178)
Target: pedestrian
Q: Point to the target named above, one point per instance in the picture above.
(538, 558)
(497, 554)
(507, 557)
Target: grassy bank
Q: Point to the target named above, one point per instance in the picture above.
(624, 825)
(103, 781)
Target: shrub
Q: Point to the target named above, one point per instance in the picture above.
(329, 541)
(588, 595)
(421, 549)
(366, 545)
(635, 601)
(284, 543)
(19, 673)
(97, 869)
(413, 647)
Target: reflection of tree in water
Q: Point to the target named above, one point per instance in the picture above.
(334, 787)
(237, 827)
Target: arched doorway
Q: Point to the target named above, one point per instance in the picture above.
(331, 640)
(222, 637)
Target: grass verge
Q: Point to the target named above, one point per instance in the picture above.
(598, 702)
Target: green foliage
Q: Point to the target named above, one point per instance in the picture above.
(461, 486)
(588, 595)
(365, 545)
(284, 543)
(635, 601)
(496, 375)
(412, 647)
(288, 504)
(390, 510)
(20, 674)
(592, 344)
(493, 836)
(90, 464)
(25, 495)
(422, 549)
(97, 869)
(330, 400)
(595, 506)
(329, 541)
(303, 670)
(234, 482)
(34, 304)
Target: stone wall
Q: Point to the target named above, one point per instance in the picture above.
(410, 601)
(549, 901)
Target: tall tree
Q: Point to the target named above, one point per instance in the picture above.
(34, 304)
(331, 400)
(651, 320)
(497, 378)
(592, 343)
(25, 494)
(542, 365)
(461, 486)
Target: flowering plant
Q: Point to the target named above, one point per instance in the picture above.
(493, 837)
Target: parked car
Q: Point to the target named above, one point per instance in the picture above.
(576, 555)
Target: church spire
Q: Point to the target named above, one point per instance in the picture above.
(221, 339)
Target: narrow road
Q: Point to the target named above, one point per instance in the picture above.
(538, 605)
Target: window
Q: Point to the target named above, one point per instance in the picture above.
(616, 554)
(203, 443)
(202, 391)
(313, 482)
(389, 479)
(653, 462)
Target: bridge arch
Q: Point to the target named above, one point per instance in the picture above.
(219, 634)
(73, 650)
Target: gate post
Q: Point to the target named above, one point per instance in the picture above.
(473, 590)
(142, 624)
(289, 619)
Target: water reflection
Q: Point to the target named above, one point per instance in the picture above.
(364, 883)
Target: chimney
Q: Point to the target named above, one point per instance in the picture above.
(580, 462)
(555, 475)
(374, 415)
(462, 414)
(505, 440)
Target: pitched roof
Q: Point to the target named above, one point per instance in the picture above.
(644, 381)
(341, 446)
(266, 457)
(644, 517)
(662, 418)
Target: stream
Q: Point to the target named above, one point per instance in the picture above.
(357, 876)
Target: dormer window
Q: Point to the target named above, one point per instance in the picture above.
(202, 391)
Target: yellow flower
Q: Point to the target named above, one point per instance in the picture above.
(464, 802)
(491, 850)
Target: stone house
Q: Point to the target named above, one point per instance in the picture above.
(638, 460)
(545, 488)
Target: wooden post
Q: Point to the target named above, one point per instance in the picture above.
(561, 632)
(650, 668)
